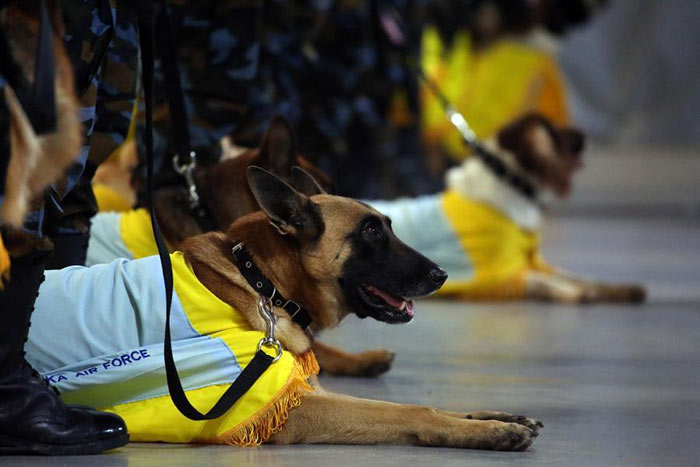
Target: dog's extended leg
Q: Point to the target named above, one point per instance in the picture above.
(337, 362)
(561, 287)
(327, 418)
(617, 293)
(604, 292)
(531, 423)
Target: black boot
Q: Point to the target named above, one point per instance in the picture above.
(32, 416)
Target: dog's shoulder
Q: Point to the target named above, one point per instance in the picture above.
(209, 255)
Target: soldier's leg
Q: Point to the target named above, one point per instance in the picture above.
(67, 223)
(32, 416)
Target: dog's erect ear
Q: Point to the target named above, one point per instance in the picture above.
(290, 212)
(305, 183)
(278, 148)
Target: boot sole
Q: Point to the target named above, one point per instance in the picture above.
(93, 447)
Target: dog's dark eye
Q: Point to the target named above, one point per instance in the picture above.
(371, 230)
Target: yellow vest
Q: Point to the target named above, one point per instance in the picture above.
(499, 250)
(137, 233)
(491, 88)
(261, 412)
(109, 199)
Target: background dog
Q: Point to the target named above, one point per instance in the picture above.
(486, 233)
(223, 192)
(332, 255)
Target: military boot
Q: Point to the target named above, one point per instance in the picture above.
(32, 416)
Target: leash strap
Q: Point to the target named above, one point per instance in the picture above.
(392, 25)
(180, 130)
(261, 361)
(264, 287)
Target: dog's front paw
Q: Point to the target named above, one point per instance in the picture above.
(513, 437)
(528, 422)
(635, 293)
(373, 363)
(531, 423)
(368, 364)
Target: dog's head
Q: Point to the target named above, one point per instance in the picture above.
(549, 154)
(346, 253)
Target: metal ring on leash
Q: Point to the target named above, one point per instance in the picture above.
(271, 342)
(265, 308)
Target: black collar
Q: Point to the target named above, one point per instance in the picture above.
(518, 182)
(264, 287)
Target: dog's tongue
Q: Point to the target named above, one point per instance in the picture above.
(403, 305)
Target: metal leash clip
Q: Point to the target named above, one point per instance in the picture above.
(265, 308)
(186, 171)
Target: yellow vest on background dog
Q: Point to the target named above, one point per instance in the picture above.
(118, 366)
(115, 235)
(490, 88)
(480, 230)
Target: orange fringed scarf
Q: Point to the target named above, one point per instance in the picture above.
(271, 418)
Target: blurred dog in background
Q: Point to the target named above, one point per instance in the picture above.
(485, 231)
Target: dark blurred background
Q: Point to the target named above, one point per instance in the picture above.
(625, 72)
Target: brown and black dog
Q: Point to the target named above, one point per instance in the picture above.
(332, 255)
(225, 193)
(341, 257)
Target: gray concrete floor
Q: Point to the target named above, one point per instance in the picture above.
(614, 385)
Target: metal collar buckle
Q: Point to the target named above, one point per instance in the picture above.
(278, 302)
(265, 288)
(236, 248)
(265, 309)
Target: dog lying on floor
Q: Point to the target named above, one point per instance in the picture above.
(332, 255)
(486, 233)
(225, 195)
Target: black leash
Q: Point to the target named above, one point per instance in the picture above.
(261, 361)
(265, 288)
(186, 157)
(392, 25)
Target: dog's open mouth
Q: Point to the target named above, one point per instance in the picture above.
(387, 307)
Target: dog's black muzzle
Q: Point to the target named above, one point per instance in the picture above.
(383, 284)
